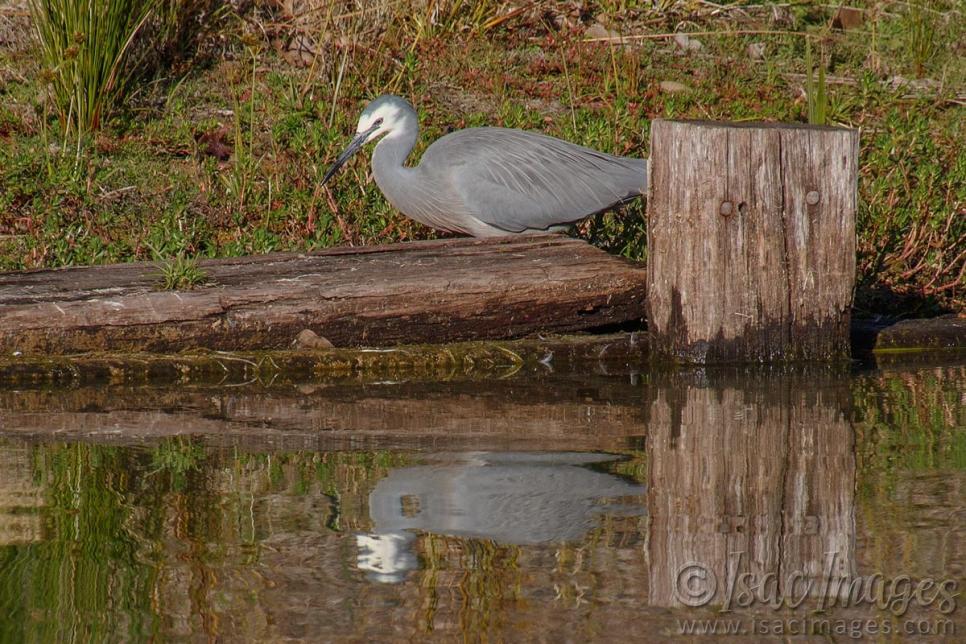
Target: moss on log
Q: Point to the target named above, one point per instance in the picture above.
(466, 360)
(902, 343)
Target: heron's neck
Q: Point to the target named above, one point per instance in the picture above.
(394, 148)
(388, 166)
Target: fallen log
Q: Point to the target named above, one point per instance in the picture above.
(946, 332)
(420, 292)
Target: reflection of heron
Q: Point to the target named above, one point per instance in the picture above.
(511, 498)
(489, 181)
(386, 557)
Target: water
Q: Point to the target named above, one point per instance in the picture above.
(541, 506)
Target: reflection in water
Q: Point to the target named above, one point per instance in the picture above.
(511, 498)
(20, 498)
(753, 477)
(387, 556)
(272, 519)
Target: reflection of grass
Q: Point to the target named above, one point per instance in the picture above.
(117, 521)
(911, 456)
(633, 468)
(489, 577)
(908, 422)
(176, 457)
(92, 573)
(345, 477)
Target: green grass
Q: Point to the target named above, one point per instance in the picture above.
(84, 46)
(181, 274)
(222, 154)
(816, 88)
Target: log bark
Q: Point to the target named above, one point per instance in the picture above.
(751, 241)
(433, 292)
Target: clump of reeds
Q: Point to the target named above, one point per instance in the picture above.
(83, 46)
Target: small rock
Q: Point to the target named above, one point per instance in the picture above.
(756, 50)
(782, 16)
(673, 87)
(848, 18)
(598, 30)
(688, 43)
(214, 143)
(308, 339)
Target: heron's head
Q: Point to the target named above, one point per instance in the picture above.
(384, 116)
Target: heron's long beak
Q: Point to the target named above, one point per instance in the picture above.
(354, 147)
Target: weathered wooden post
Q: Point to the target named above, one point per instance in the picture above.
(751, 241)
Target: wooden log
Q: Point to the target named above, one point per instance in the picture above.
(944, 333)
(438, 291)
(751, 241)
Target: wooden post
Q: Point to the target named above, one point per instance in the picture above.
(751, 241)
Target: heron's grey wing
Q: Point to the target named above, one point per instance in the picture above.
(516, 180)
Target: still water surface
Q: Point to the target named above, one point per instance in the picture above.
(540, 506)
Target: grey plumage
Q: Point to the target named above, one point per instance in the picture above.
(491, 181)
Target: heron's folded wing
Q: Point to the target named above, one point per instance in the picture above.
(517, 180)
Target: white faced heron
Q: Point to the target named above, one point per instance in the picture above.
(490, 181)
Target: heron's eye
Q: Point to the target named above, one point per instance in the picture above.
(378, 121)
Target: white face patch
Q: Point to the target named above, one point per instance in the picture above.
(390, 116)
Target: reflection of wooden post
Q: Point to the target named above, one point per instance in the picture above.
(19, 492)
(751, 241)
(765, 469)
(819, 488)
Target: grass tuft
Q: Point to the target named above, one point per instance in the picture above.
(84, 45)
(816, 89)
(181, 273)
(923, 36)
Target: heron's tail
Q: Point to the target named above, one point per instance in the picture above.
(636, 175)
